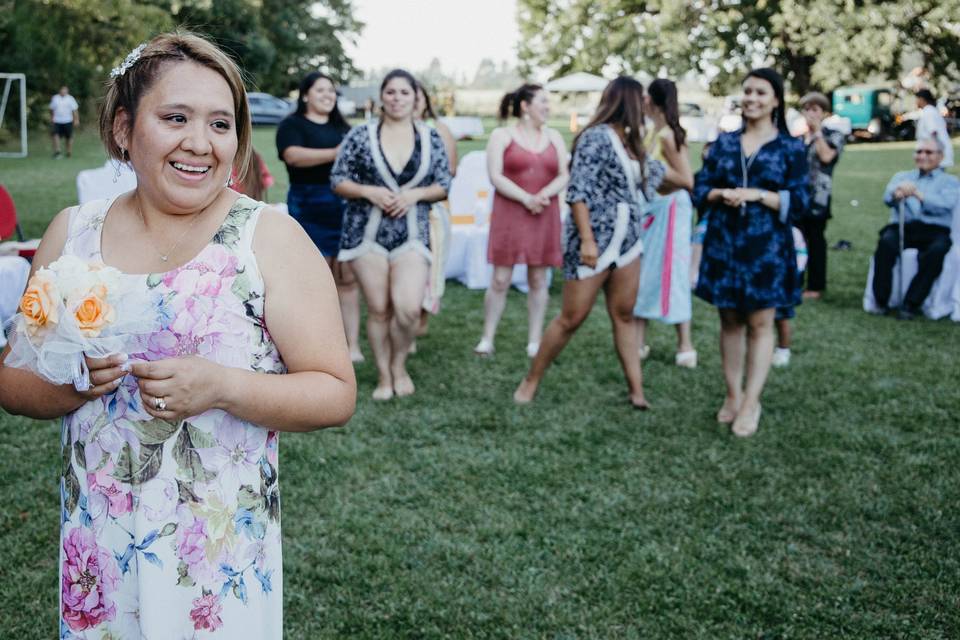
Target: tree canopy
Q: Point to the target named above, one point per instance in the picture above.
(76, 42)
(815, 43)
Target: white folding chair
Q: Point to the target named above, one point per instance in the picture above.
(944, 297)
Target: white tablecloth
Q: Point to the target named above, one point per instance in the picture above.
(13, 280)
(467, 259)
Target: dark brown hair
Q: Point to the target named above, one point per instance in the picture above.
(126, 90)
(335, 118)
(252, 181)
(621, 105)
(776, 81)
(510, 103)
(399, 73)
(663, 93)
(428, 108)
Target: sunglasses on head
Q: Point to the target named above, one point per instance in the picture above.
(924, 152)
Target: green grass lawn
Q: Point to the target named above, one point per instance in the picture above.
(455, 514)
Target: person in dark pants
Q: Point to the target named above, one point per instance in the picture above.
(823, 152)
(928, 196)
(64, 116)
(824, 146)
(307, 142)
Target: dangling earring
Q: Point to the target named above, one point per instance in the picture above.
(627, 129)
(116, 165)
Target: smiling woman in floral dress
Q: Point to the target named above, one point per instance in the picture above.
(170, 503)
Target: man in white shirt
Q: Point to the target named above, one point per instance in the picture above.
(932, 125)
(64, 114)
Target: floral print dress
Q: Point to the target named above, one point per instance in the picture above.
(172, 530)
(617, 193)
(749, 259)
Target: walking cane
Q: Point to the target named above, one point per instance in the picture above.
(900, 223)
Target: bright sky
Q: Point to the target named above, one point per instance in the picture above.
(410, 33)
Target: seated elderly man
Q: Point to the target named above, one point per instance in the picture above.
(928, 196)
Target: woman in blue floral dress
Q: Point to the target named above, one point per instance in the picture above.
(753, 183)
(170, 519)
(612, 179)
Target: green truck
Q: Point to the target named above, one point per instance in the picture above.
(875, 112)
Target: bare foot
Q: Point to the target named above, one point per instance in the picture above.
(812, 295)
(639, 402)
(383, 392)
(728, 412)
(525, 392)
(403, 385)
(747, 422)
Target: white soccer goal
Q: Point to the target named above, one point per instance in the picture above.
(8, 107)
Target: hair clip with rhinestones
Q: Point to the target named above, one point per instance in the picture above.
(128, 62)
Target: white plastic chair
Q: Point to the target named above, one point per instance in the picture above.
(944, 297)
(14, 271)
(471, 200)
(103, 182)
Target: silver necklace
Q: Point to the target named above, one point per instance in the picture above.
(166, 257)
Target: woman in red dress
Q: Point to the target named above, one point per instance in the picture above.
(527, 163)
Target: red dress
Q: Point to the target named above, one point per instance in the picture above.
(516, 235)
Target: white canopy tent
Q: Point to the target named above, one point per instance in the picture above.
(579, 82)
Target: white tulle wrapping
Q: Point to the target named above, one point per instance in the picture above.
(56, 351)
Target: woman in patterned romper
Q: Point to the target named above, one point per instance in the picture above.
(611, 181)
(170, 519)
(390, 170)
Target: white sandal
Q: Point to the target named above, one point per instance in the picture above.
(484, 348)
(532, 348)
(644, 352)
(687, 359)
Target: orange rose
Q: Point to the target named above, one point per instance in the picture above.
(40, 304)
(93, 313)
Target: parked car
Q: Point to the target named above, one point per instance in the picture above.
(730, 118)
(267, 109)
(347, 107)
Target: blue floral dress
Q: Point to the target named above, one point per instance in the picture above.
(172, 530)
(749, 261)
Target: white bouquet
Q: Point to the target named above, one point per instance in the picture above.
(74, 308)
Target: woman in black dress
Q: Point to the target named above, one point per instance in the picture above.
(307, 142)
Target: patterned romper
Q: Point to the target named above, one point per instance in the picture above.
(603, 177)
(365, 227)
